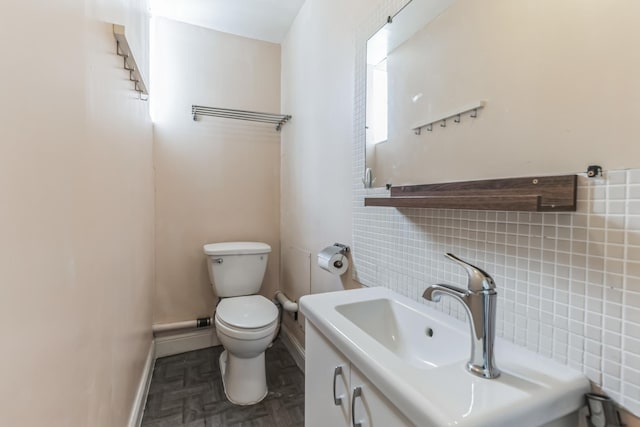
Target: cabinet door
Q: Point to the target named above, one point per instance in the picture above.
(371, 408)
(326, 377)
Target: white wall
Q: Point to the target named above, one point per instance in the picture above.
(317, 88)
(216, 179)
(568, 283)
(76, 215)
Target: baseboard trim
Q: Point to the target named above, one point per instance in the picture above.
(169, 344)
(293, 345)
(135, 418)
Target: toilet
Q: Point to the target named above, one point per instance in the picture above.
(245, 323)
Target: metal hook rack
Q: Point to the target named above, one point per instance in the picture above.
(253, 116)
(129, 63)
(457, 117)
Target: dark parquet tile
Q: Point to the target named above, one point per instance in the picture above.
(186, 391)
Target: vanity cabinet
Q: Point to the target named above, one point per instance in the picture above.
(334, 387)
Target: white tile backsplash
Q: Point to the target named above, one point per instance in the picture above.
(568, 283)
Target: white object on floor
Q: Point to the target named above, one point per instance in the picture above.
(245, 323)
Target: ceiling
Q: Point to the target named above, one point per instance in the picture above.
(267, 20)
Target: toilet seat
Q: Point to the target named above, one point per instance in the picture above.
(253, 334)
(247, 312)
(247, 318)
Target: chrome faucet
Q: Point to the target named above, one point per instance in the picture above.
(479, 301)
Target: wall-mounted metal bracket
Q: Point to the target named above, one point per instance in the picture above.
(602, 411)
(129, 63)
(344, 249)
(471, 109)
(253, 116)
(594, 171)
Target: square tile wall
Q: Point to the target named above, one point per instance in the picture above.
(568, 283)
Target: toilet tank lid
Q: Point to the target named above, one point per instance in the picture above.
(237, 248)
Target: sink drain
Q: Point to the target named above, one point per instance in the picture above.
(429, 332)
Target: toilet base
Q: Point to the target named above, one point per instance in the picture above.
(244, 380)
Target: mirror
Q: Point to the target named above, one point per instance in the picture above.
(557, 81)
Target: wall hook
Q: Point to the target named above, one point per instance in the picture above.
(128, 61)
(456, 116)
(126, 65)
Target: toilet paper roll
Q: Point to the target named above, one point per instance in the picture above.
(332, 260)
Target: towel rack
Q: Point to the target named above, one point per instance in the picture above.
(123, 49)
(253, 116)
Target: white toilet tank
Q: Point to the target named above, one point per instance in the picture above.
(236, 268)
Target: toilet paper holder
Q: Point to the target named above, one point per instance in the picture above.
(334, 258)
(344, 249)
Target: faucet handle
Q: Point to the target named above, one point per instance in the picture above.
(479, 280)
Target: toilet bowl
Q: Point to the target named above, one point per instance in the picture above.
(245, 323)
(245, 333)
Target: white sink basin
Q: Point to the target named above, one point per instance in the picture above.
(406, 332)
(416, 356)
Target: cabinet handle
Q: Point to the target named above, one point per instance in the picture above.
(357, 392)
(337, 400)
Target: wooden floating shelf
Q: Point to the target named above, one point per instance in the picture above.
(533, 194)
